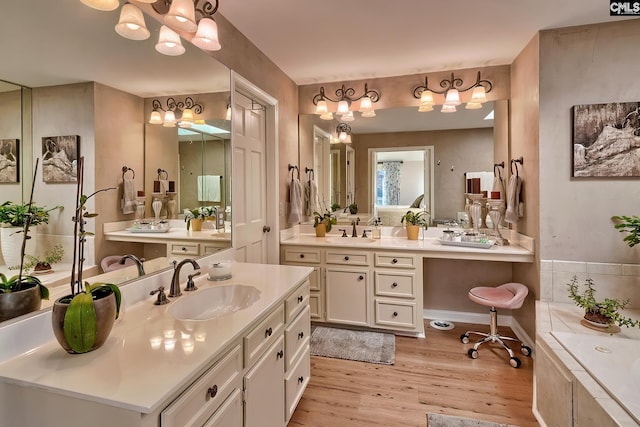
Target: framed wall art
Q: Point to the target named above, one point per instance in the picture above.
(59, 158)
(9, 161)
(606, 140)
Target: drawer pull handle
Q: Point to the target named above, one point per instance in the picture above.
(360, 277)
(268, 333)
(301, 255)
(300, 298)
(184, 249)
(394, 261)
(300, 379)
(346, 258)
(300, 335)
(395, 314)
(394, 285)
(212, 391)
(280, 354)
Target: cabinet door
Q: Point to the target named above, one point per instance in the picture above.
(229, 414)
(347, 296)
(264, 389)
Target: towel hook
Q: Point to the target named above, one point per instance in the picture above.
(162, 171)
(126, 169)
(292, 168)
(516, 161)
(309, 172)
(497, 166)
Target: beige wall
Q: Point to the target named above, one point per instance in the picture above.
(10, 119)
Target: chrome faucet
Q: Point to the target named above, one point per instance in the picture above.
(174, 291)
(136, 260)
(354, 232)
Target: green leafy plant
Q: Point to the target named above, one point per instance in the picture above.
(353, 208)
(42, 263)
(630, 225)
(604, 311)
(335, 207)
(197, 213)
(18, 283)
(15, 214)
(415, 218)
(325, 218)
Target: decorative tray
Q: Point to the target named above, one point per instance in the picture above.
(476, 245)
(148, 230)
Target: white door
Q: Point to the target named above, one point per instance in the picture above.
(249, 180)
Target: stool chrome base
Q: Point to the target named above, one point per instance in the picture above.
(494, 337)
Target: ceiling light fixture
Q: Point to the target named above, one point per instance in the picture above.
(345, 96)
(344, 133)
(190, 16)
(451, 90)
(183, 112)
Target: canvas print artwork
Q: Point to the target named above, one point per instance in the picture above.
(9, 160)
(59, 158)
(606, 140)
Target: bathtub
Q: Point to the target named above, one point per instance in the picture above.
(612, 361)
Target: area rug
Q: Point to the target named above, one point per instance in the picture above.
(440, 420)
(362, 346)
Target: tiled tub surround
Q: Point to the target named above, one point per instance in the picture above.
(128, 374)
(585, 377)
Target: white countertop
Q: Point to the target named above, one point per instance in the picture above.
(138, 368)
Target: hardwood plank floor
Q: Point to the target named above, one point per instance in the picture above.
(430, 375)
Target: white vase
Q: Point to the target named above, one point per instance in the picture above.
(11, 242)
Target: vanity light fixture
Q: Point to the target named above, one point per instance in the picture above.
(190, 16)
(451, 90)
(344, 97)
(181, 113)
(344, 133)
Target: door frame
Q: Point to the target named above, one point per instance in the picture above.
(243, 86)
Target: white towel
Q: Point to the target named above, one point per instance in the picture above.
(128, 202)
(498, 186)
(312, 202)
(513, 199)
(209, 188)
(164, 186)
(486, 179)
(295, 200)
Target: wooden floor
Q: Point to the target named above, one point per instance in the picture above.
(430, 375)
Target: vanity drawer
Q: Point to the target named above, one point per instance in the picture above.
(315, 305)
(395, 284)
(203, 398)
(296, 337)
(185, 248)
(230, 412)
(395, 260)
(302, 255)
(297, 301)
(395, 313)
(263, 335)
(348, 257)
(208, 248)
(295, 383)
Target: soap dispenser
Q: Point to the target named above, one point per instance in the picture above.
(376, 229)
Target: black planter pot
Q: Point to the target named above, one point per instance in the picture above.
(17, 303)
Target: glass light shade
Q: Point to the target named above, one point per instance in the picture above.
(343, 107)
(155, 118)
(228, 115)
(169, 119)
(371, 113)
(334, 140)
(348, 139)
(327, 116)
(206, 37)
(185, 124)
(321, 107)
(366, 104)
(342, 136)
(169, 42)
(423, 108)
(105, 5)
(348, 117)
(131, 24)
(478, 96)
(187, 116)
(453, 97)
(182, 16)
(473, 105)
(448, 108)
(427, 98)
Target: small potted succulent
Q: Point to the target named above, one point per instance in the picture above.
(322, 223)
(42, 264)
(413, 221)
(602, 313)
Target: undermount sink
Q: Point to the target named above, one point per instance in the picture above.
(217, 301)
(349, 240)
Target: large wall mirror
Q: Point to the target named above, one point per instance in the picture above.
(77, 76)
(402, 154)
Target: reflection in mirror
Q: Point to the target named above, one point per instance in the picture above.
(13, 99)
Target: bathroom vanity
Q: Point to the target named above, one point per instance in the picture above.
(246, 365)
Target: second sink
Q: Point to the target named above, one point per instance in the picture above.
(214, 302)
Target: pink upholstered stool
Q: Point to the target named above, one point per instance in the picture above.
(509, 296)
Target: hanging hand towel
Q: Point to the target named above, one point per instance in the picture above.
(209, 188)
(513, 199)
(498, 186)
(312, 204)
(295, 200)
(128, 202)
(164, 186)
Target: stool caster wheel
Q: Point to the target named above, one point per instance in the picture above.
(464, 338)
(515, 362)
(525, 350)
(473, 353)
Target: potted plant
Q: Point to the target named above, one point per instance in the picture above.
(335, 207)
(20, 295)
(630, 225)
(414, 220)
(604, 313)
(322, 223)
(82, 320)
(13, 218)
(194, 218)
(353, 208)
(42, 265)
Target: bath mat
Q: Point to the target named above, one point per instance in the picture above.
(362, 346)
(441, 420)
